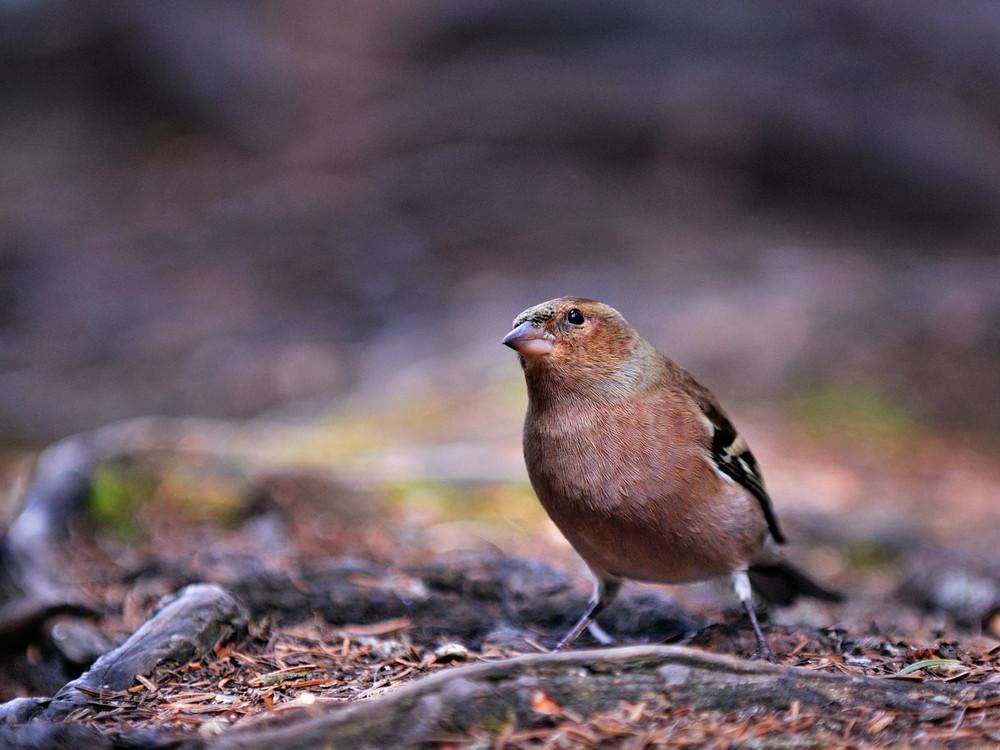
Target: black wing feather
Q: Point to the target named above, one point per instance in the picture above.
(733, 457)
(729, 451)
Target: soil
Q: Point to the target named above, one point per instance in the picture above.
(352, 594)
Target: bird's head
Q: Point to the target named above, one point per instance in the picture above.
(574, 339)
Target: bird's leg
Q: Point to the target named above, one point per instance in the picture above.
(605, 592)
(741, 582)
(600, 634)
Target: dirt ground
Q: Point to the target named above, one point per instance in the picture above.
(435, 573)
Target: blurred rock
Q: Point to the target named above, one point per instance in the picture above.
(965, 589)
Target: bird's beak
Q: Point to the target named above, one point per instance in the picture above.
(529, 340)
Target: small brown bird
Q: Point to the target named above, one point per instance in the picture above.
(639, 467)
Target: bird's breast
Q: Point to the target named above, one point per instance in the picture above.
(630, 486)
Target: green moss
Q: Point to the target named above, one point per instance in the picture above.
(855, 412)
(496, 725)
(126, 496)
(203, 495)
(468, 500)
(116, 494)
(871, 555)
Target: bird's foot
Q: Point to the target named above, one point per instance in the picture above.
(763, 652)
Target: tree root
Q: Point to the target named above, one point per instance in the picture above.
(494, 696)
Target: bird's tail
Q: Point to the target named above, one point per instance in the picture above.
(781, 583)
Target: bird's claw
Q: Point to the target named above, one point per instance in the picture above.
(763, 653)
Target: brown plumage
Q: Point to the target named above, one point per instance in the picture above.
(638, 465)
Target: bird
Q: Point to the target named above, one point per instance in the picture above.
(640, 468)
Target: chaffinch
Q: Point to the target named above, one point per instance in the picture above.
(639, 467)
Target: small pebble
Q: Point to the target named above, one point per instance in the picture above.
(451, 652)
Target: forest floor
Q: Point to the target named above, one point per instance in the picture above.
(413, 556)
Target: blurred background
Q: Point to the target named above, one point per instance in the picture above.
(308, 225)
(234, 209)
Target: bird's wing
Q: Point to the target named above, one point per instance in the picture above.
(731, 453)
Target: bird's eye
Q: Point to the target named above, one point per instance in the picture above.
(575, 317)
